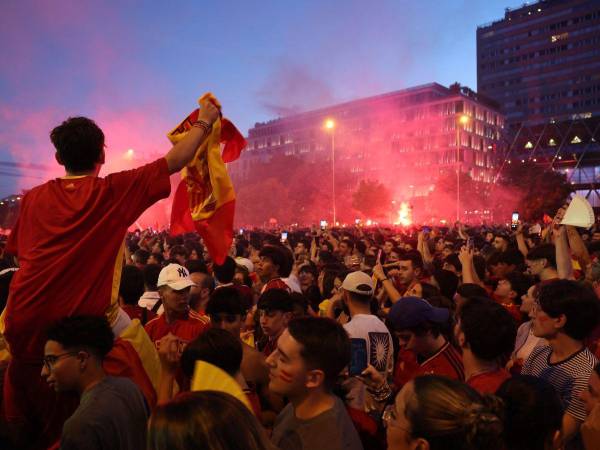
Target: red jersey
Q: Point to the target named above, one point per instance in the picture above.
(144, 315)
(447, 361)
(276, 283)
(488, 382)
(187, 329)
(68, 238)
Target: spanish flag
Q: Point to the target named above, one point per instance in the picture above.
(205, 200)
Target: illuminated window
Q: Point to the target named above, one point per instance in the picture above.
(559, 37)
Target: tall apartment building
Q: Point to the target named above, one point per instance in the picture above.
(403, 139)
(541, 62)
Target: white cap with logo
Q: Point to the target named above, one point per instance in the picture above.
(175, 276)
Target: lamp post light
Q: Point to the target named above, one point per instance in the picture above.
(330, 126)
(463, 119)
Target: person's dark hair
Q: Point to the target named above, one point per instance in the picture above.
(470, 290)
(577, 302)
(88, 333)
(325, 345)
(141, 256)
(225, 272)
(79, 143)
(361, 247)
(477, 317)
(205, 420)
(178, 250)
(151, 273)
(329, 276)
(429, 290)
(543, 251)
(447, 281)
(309, 268)
(453, 260)
(533, 412)
(196, 266)
(159, 257)
(348, 242)
(597, 368)
(479, 264)
(414, 257)
(194, 245)
(299, 304)
(512, 256)
(281, 257)
(519, 283)
(227, 300)
(452, 416)
(359, 298)
(215, 346)
(275, 300)
(326, 257)
(131, 287)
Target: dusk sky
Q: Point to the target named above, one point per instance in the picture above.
(137, 68)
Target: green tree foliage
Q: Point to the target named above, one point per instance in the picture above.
(537, 190)
(372, 199)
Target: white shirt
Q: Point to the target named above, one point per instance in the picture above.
(149, 299)
(380, 354)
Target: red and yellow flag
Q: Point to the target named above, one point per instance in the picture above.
(205, 199)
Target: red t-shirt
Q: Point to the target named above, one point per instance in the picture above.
(447, 362)
(68, 238)
(276, 283)
(186, 329)
(488, 382)
(137, 312)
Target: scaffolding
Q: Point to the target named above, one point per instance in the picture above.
(571, 147)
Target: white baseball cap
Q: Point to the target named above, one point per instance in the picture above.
(175, 276)
(245, 262)
(358, 282)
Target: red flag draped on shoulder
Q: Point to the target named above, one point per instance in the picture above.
(205, 200)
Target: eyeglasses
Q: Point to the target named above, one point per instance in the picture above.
(390, 418)
(50, 360)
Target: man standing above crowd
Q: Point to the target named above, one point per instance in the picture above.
(60, 224)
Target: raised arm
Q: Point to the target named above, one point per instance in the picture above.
(183, 152)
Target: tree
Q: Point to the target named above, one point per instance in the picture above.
(372, 199)
(536, 190)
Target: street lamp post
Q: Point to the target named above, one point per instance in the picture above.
(330, 125)
(462, 121)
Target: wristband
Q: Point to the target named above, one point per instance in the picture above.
(202, 124)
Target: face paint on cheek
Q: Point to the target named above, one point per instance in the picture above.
(285, 376)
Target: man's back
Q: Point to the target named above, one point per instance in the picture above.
(380, 353)
(112, 415)
(68, 238)
(330, 430)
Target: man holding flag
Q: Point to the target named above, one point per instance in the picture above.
(62, 223)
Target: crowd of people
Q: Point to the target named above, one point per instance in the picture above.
(458, 337)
